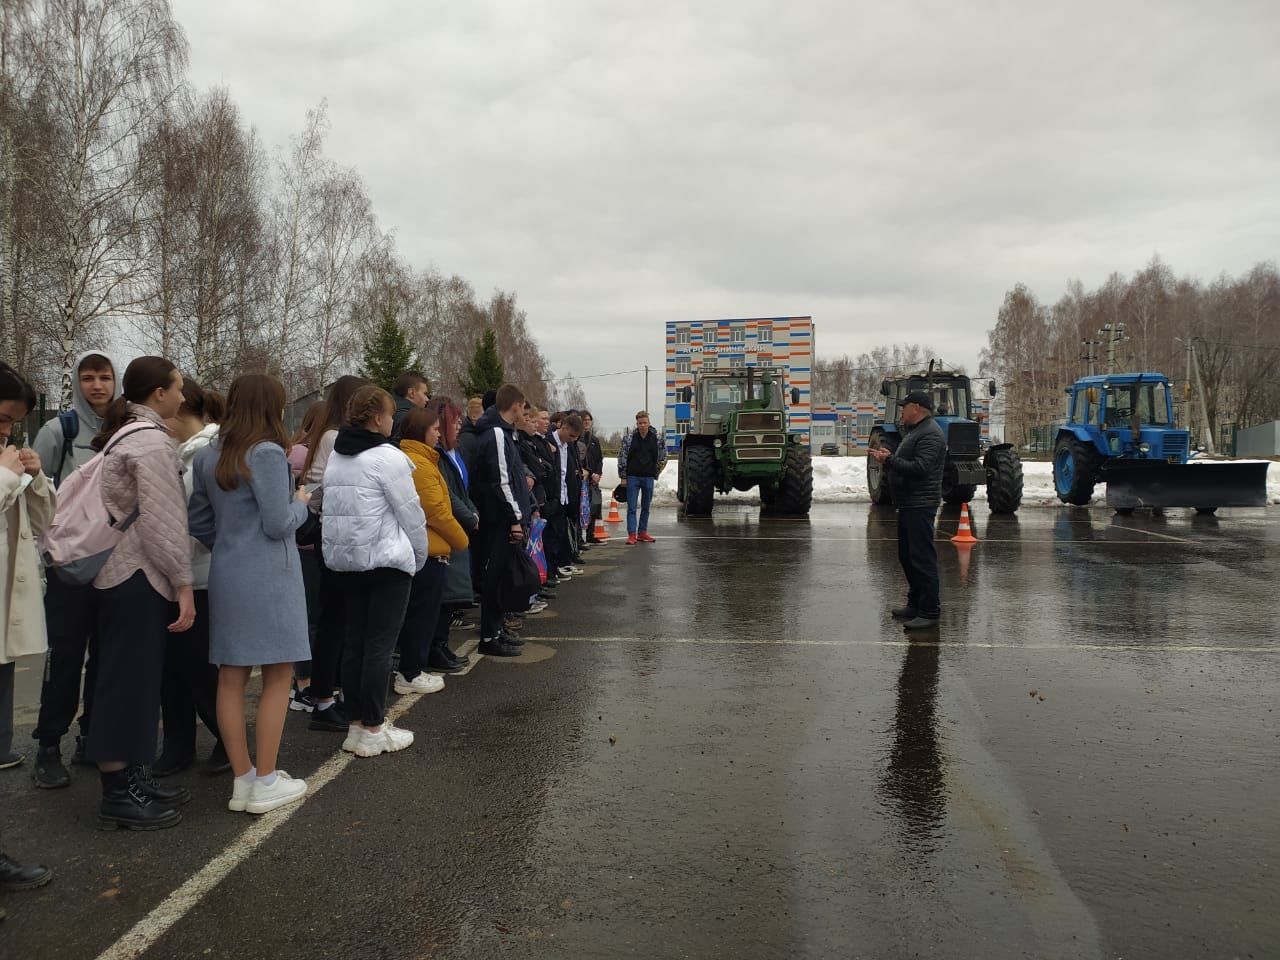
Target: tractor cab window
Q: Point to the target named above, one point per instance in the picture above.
(722, 399)
(1151, 400)
(949, 399)
(1153, 404)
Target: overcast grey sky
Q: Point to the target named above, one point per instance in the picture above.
(890, 169)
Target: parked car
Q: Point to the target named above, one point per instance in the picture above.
(829, 450)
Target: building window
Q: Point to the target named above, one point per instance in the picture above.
(866, 421)
(764, 333)
(737, 363)
(682, 335)
(738, 335)
(682, 427)
(684, 365)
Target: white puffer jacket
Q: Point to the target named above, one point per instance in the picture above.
(372, 515)
(187, 450)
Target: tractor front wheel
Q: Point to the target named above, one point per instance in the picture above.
(1075, 471)
(878, 476)
(1004, 480)
(795, 488)
(698, 477)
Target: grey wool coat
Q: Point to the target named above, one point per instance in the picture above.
(257, 605)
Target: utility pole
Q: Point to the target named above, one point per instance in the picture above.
(1090, 354)
(1204, 407)
(1113, 333)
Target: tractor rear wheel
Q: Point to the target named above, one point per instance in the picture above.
(955, 493)
(698, 476)
(878, 476)
(1075, 471)
(1004, 480)
(795, 486)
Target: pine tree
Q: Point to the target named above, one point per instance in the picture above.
(485, 371)
(388, 353)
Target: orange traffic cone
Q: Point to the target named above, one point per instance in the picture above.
(964, 534)
(614, 516)
(601, 534)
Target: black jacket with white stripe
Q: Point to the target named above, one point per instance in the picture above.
(498, 487)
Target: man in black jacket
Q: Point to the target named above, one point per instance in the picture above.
(412, 392)
(915, 483)
(567, 492)
(593, 463)
(500, 494)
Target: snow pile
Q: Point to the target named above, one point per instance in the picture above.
(844, 480)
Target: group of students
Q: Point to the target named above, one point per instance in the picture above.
(318, 558)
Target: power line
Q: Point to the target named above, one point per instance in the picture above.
(594, 376)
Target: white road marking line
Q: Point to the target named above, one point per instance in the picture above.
(1150, 533)
(144, 934)
(904, 642)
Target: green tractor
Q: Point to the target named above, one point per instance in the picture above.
(738, 440)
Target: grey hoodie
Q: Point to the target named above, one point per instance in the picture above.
(49, 442)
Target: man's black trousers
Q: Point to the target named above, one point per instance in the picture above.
(919, 559)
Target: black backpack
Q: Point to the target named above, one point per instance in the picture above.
(516, 581)
(70, 422)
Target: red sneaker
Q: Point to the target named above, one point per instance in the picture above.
(631, 539)
(644, 537)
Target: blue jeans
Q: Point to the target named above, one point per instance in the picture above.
(639, 488)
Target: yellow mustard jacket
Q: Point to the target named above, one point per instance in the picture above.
(446, 534)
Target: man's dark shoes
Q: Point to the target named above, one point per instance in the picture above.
(445, 664)
(48, 773)
(511, 638)
(329, 718)
(496, 647)
(167, 765)
(77, 756)
(905, 613)
(16, 876)
(921, 623)
(125, 805)
(165, 796)
(217, 761)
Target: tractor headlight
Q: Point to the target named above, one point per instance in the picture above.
(719, 443)
(1144, 447)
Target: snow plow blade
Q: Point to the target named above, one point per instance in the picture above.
(1137, 483)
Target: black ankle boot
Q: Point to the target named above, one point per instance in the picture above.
(48, 771)
(125, 806)
(165, 796)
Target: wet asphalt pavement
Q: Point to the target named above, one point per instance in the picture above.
(721, 745)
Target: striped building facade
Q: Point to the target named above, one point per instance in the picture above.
(696, 345)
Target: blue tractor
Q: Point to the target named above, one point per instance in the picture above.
(968, 466)
(1120, 431)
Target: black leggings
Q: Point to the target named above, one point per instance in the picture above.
(190, 685)
(421, 617)
(326, 654)
(375, 602)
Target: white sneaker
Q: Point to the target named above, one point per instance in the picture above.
(353, 738)
(535, 608)
(239, 795)
(388, 740)
(422, 683)
(565, 573)
(574, 571)
(284, 790)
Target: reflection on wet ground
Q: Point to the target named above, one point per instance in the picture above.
(722, 745)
